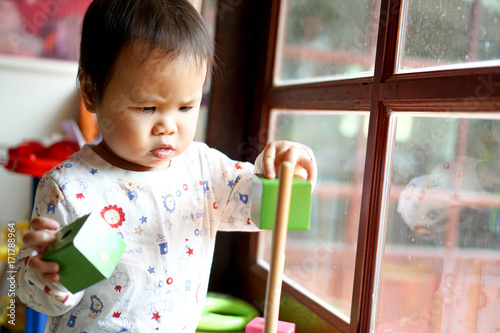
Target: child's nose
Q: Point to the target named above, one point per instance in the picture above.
(165, 126)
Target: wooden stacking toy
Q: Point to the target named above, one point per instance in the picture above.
(87, 252)
(264, 198)
(288, 200)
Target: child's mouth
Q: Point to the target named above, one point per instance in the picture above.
(163, 153)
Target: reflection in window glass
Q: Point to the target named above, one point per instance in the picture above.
(451, 33)
(319, 39)
(321, 260)
(439, 253)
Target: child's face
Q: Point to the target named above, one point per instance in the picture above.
(149, 110)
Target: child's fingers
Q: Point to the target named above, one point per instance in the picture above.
(43, 233)
(40, 266)
(275, 153)
(48, 269)
(301, 156)
(268, 161)
(39, 240)
(50, 277)
(308, 162)
(40, 223)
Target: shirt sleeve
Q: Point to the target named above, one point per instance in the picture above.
(426, 201)
(50, 298)
(232, 186)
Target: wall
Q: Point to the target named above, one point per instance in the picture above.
(35, 96)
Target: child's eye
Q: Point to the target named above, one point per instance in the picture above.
(185, 108)
(148, 109)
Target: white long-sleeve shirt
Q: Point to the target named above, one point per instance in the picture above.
(168, 219)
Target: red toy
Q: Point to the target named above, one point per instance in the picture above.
(35, 159)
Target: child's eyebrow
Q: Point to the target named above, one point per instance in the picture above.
(192, 100)
(160, 99)
(147, 97)
(144, 98)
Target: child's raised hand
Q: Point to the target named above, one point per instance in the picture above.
(301, 156)
(43, 233)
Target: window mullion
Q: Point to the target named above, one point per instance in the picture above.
(374, 169)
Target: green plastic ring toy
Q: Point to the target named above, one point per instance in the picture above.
(225, 313)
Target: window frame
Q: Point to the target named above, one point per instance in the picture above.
(459, 90)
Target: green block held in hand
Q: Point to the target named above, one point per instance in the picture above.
(265, 198)
(87, 252)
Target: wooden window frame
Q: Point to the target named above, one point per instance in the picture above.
(243, 97)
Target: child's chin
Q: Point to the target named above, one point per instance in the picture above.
(162, 165)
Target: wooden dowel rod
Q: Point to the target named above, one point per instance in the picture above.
(275, 276)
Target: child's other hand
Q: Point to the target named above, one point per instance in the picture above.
(43, 233)
(301, 156)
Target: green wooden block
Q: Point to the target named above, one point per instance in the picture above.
(87, 252)
(265, 198)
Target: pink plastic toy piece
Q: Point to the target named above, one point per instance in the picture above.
(257, 326)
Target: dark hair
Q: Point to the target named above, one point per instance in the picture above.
(171, 28)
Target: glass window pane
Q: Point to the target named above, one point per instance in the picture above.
(438, 34)
(320, 261)
(326, 39)
(439, 250)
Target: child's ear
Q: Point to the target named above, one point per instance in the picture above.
(87, 90)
